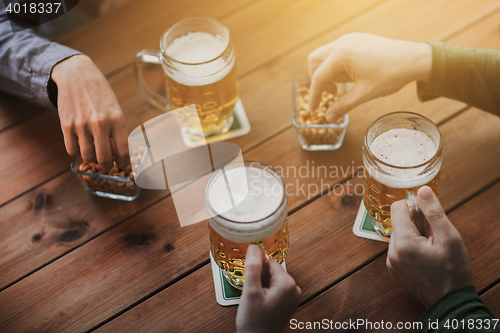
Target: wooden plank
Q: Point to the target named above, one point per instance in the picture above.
(13, 110)
(480, 35)
(136, 112)
(128, 95)
(130, 277)
(292, 23)
(112, 43)
(363, 293)
(31, 154)
(270, 86)
(41, 226)
(90, 290)
(283, 71)
(273, 80)
(112, 40)
(34, 151)
(281, 153)
(126, 91)
(36, 223)
(105, 31)
(323, 249)
(104, 38)
(315, 228)
(491, 297)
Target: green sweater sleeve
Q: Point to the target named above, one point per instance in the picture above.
(469, 75)
(460, 310)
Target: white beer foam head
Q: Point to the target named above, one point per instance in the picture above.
(403, 147)
(263, 197)
(196, 48)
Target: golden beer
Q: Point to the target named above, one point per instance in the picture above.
(401, 153)
(198, 60)
(214, 102)
(379, 197)
(260, 218)
(230, 256)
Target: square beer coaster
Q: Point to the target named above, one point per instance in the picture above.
(240, 127)
(225, 293)
(363, 225)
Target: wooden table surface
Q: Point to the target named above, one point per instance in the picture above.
(68, 263)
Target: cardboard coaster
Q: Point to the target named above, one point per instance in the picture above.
(363, 225)
(225, 293)
(240, 127)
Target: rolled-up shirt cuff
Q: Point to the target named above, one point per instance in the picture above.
(426, 91)
(42, 71)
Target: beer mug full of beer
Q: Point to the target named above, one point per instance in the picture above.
(197, 56)
(260, 218)
(401, 153)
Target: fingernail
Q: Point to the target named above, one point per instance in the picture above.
(253, 250)
(426, 193)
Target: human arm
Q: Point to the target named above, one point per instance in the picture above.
(52, 75)
(92, 121)
(460, 304)
(263, 309)
(434, 268)
(26, 62)
(380, 66)
(465, 74)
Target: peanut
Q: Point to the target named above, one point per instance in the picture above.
(305, 117)
(112, 186)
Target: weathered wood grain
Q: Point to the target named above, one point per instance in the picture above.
(13, 110)
(40, 226)
(105, 279)
(265, 122)
(114, 44)
(281, 153)
(372, 294)
(31, 154)
(270, 123)
(124, 84)
(491, 299)
(112, 40)
(313, 230)
(322, 248)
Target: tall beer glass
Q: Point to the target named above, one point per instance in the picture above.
(261, 218)
(401, 153)
(197, 56)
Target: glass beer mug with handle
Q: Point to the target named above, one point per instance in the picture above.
(402, 151)
(260, 217)
(198, 61)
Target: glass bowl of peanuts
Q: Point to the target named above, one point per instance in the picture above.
(313, 131)
(116, 184)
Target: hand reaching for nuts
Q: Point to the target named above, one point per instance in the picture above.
(316, 117)
(108, 185)
(306, 117)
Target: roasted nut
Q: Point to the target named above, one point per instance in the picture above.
(306, 117)
(112, 186)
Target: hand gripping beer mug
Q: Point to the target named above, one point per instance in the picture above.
(260, 218)
(197, 56)
(402, 151)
